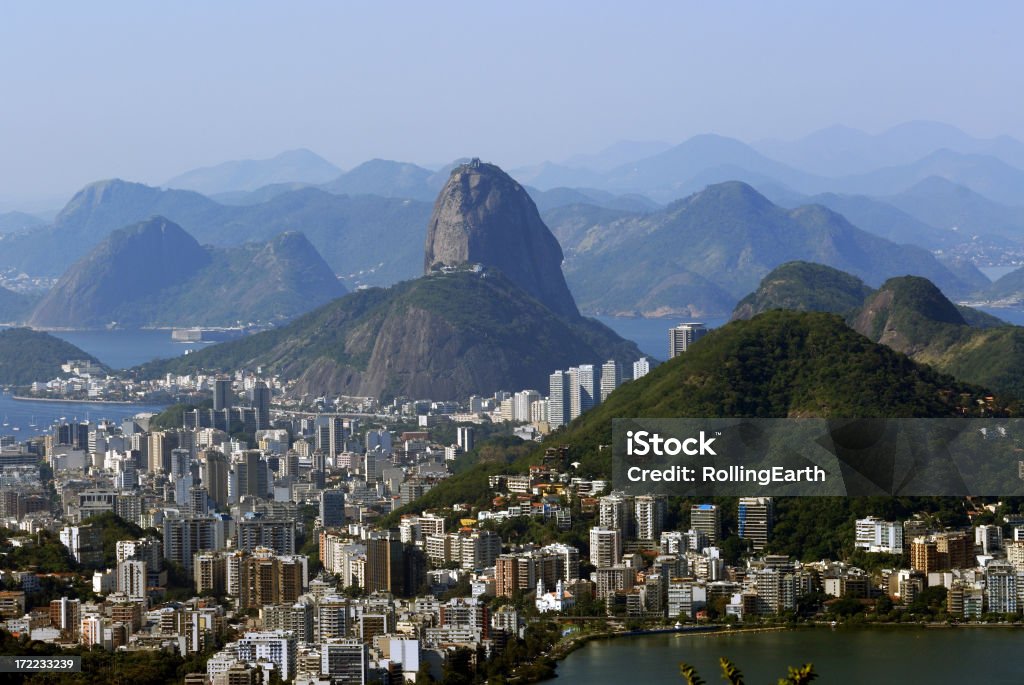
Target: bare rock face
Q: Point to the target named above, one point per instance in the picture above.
(482, 216)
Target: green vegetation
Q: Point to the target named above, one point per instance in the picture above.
(732, 675)
(777, 364)
(100, 667)
(42, 552)
(174, 415)
(27, 356)
(804, 287)
(908, 314)
(443, 336)
(112, 529)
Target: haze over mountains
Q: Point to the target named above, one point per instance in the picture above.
(492, 312)
(155, 274)
(875, 205)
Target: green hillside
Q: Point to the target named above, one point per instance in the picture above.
(444, 336)
(27, 356)
(778, 364)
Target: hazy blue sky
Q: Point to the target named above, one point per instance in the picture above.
(144, 91)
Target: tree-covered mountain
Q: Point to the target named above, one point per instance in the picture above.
(908, 314)
(804, 287)
(778, 364)
(291, 166)
(154, 273)
(444, 336)
(27, 356)
(912, 316)
(727, 236)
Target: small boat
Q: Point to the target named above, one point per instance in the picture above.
(6, 422)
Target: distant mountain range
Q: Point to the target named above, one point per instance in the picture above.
(155, 274)
(15, 307)
(301, 166)
(921, 184)
(844, 151)
(835, 161)
(493, 312)
(365, 239)
(699, 255)
(15, 222)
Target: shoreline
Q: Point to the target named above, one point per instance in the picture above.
(559, 653)
(22, 398)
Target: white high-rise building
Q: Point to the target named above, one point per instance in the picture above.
(521, 402)
(650, 516)
(131, 579)
(605, 546)
(274, 646)
(611, 378)
(682, 336)
(641, 367)
(585, 389)
(1001, 588)
(558, 399)
(617, 511)
(875, 535)
(755, 517)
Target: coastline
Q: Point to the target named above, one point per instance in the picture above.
(574, 642)
(22, 398)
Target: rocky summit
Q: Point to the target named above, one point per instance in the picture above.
(483, 216)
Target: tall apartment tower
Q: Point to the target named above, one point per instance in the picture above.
(611, 378)
(650, 516)
(707, 519)
(682, 336)
(215, 477)
(754, 515)
(332, 508)
(259, 399)
(558, 399)
(222, 395)
(585, 389)
(465, 438)
(641, 367)
(605, 546)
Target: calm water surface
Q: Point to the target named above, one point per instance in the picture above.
(841, 657)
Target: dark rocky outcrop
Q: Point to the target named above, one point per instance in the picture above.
(483, 216)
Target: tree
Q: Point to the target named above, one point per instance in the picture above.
(731, 674)
(423, 676)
